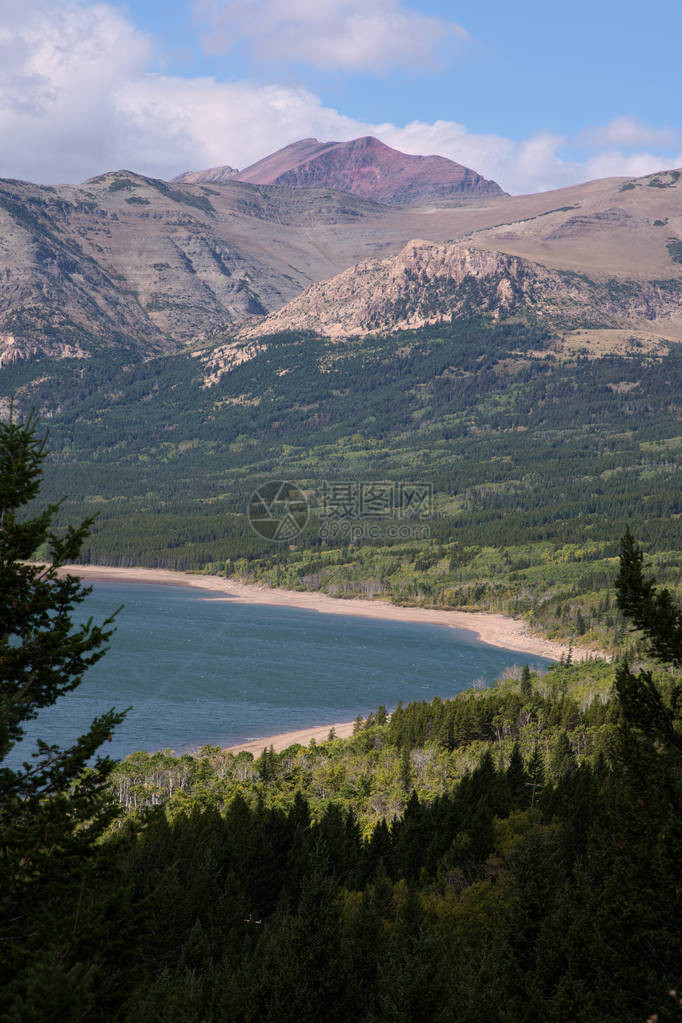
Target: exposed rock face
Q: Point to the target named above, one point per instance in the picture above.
(214, 175)
(129, 261)
(55, 296)
(364, 167)
(430, 283)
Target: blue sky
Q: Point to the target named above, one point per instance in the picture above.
(526, 67)
(533, 94)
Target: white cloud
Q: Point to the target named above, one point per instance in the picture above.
(627, 133)
(531, 165)
(61, 66)
(330, 34)
(615, 163)
(75, 100)
(202, 122)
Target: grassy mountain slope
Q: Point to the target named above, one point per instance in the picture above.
(124, 258)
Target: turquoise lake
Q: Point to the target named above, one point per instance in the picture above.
(198, 670)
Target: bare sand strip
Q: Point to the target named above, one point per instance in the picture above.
(495, 629)
(342, 730)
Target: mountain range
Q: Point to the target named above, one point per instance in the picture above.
(456, 406)
(149, 266)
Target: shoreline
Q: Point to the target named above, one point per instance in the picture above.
(494, 629)
(281, 741)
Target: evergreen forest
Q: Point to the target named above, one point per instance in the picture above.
(512, 854)
(540, 448)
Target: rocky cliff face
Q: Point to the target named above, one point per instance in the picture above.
(130, 261)
(363, 167)
(430, 283)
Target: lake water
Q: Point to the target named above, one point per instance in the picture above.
(198, 670)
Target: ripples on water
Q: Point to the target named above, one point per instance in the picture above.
(198, 670)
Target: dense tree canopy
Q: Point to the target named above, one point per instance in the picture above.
(508, 855)
(54, 803)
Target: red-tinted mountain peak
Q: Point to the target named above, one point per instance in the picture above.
(367, 167)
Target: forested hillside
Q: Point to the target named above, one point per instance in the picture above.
(540, 447)
(508, 855)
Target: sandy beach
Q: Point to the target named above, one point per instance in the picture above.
(496, 629)
(319, 733)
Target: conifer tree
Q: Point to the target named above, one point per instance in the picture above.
(536, 774)
(659, 617)
(267, 764)
(516, 774)
(562, 759)
(648, 608)
(55, 804)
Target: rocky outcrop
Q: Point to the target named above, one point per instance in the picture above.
(431, 283)
(213, 175)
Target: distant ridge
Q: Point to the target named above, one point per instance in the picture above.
(365, 167)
